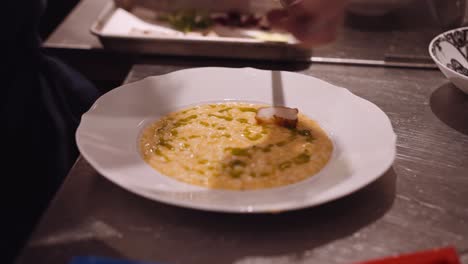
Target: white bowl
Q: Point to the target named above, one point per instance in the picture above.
(375, 7)
(450, 52)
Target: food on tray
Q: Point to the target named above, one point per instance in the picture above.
(186, 20)
(224, 146)
(222, 24)
(190, 20)
(190, 24)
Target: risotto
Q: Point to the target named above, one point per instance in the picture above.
(223, 146)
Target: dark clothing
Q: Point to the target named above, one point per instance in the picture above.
(42, 102)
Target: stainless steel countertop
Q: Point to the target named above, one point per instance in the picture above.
(419, 204)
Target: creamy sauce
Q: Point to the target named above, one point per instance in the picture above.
(222, 146)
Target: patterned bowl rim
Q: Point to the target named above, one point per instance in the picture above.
(434, 57)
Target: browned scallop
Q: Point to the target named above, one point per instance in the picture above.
(279, 115)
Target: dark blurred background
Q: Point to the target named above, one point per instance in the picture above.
(56, 11)
(87, 62)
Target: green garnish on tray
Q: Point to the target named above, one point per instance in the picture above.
(187, 20)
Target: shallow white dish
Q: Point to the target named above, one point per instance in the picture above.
(450, 52)
(363, 137)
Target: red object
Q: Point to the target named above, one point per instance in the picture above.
(446, 255)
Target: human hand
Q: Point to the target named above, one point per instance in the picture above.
(313, 22)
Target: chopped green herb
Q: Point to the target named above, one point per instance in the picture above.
(162, 128)
(235, 173)
(302, 158)
(236, 168)
(187, 20)
(227, 118)
(248, 109)
(225, 109)
(267, 148)
(174, 132)
(240, 152)
(305, 133)
(185, 145)
(237, 163)
(179, 124)
(159, 153)
(284, 165)
(164, 143)
(252, 136)
(281, 143)
(188, 118)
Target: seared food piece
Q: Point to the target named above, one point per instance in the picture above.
(279, 115)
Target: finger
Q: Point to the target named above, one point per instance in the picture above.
(309, 18)
(278, 18)
(287, 3)
(317, 36)
(318, 8)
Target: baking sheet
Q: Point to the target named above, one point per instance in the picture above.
(136, 30)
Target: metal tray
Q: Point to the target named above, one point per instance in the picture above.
(219, 47)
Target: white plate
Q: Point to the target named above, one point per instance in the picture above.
(362, 134)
